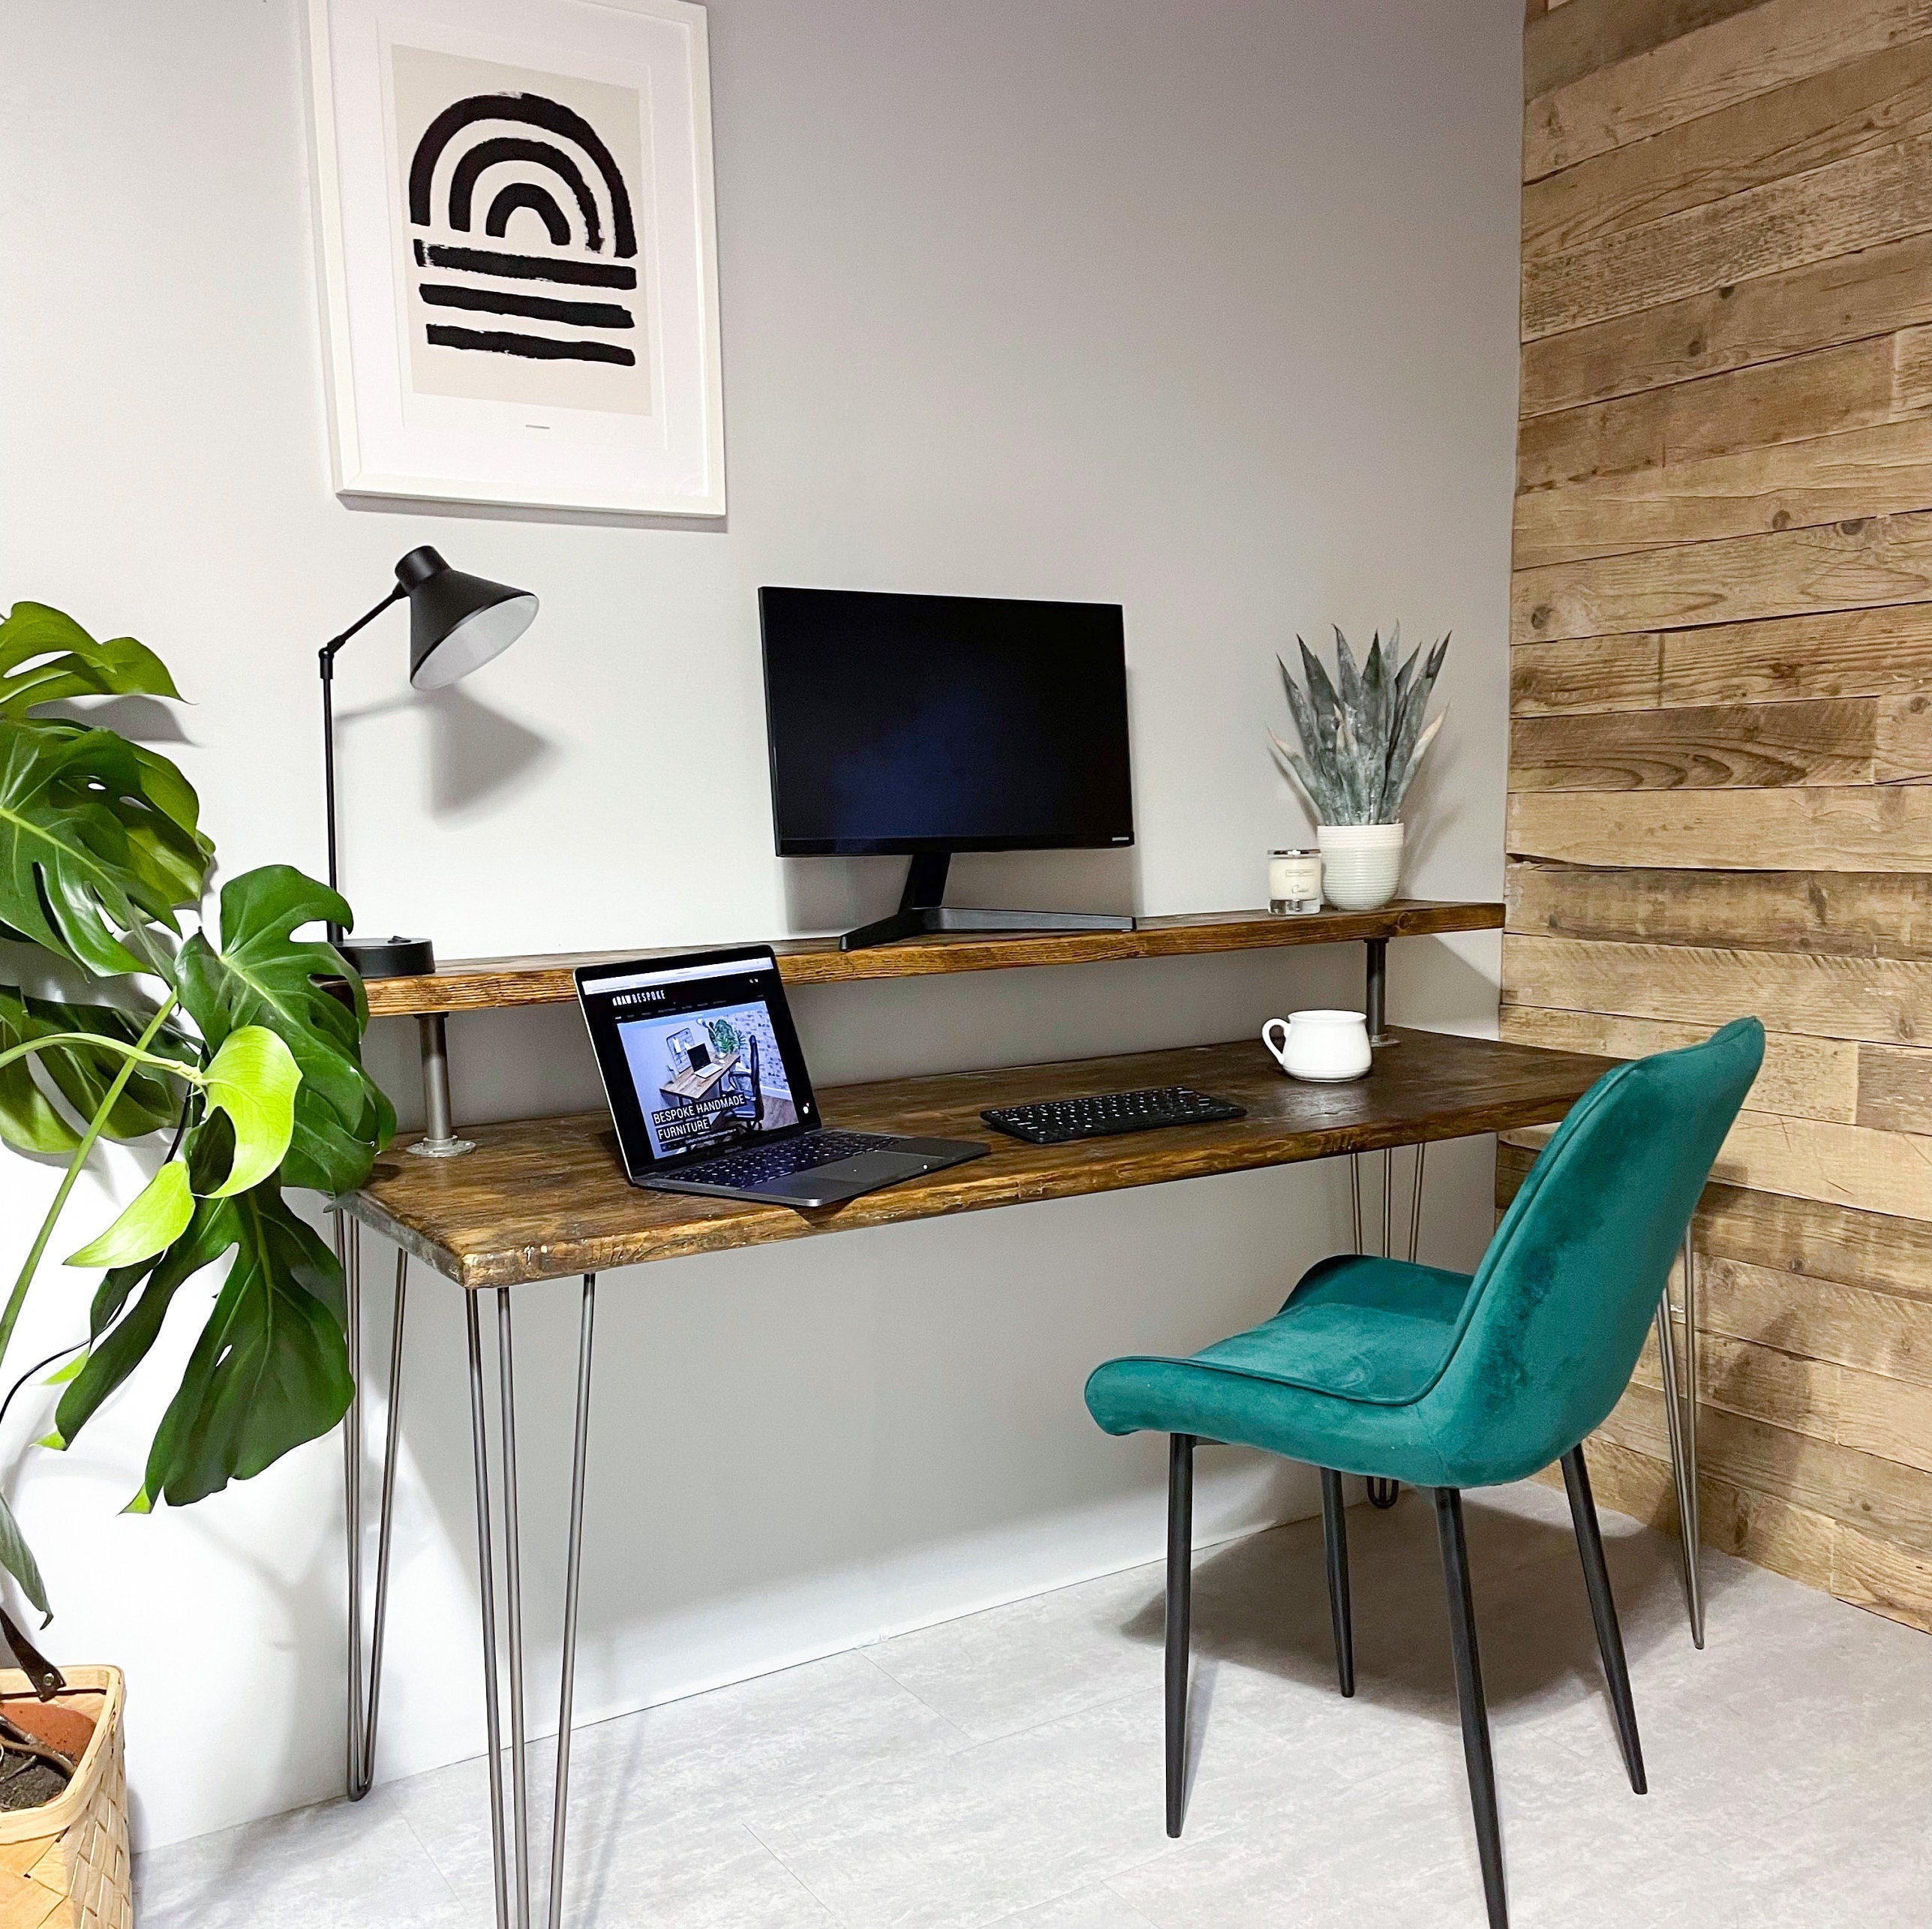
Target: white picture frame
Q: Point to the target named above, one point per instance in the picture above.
(518, 248)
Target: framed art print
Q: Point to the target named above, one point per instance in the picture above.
(519, 252)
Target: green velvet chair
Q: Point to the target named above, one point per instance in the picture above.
(1405, 1372)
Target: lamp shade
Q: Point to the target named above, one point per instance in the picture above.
(456, 622)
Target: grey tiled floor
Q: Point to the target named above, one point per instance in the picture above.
(1005, 1769)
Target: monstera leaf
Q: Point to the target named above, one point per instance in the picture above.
(46, 657)
(79, 846)
(83, 1074)
(270, 1369)
(261, 976)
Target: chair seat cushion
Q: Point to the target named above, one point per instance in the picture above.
(1327, 1380)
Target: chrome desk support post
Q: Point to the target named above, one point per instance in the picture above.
(439, 1139)
(365, 1686)
(1375, 991)
(511, 1859)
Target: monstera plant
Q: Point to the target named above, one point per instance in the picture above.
(230, 1045)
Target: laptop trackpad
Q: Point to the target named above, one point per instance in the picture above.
(880, 1168)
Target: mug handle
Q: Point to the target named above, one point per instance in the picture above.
(1279, 1053)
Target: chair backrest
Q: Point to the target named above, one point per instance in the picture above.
(1556, 1317)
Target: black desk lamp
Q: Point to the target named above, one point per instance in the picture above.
(456, 624)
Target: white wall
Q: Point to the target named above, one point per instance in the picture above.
(1207, 308)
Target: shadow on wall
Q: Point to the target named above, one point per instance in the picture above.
(476, 753)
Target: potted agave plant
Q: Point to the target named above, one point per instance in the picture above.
(1361, 746)
(232, 1048)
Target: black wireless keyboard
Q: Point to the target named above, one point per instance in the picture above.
(1057, 1122)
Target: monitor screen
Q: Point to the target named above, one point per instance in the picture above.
(928, 723)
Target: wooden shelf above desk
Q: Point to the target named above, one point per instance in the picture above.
(543, 1198)
(485, 984)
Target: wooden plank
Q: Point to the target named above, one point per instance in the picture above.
(1890, 1418)
(1895, 1088)
(1765, 46)
(475, 984)
(1851, 914)
(1591, 673)
(1883, 652)
(1802, 397)
(1886, 828)
(1883, 470)
(1861, 202)
(1730, 746)
(1845, 299)
(1847, 565)
(1842, 1165)
(1804, 1078)
(539, 1199)
(1804, 1239)
(1888, 1000)
(1563, 44)
(1878, 1496)
(1878, 101)
(1902, 752)
(1757, 1528)
(1874, 1574)
(1764, 1382)
(1792, 1241)
(1879, 1334)
(1912, 368)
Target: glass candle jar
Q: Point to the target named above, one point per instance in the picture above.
(1294, 883)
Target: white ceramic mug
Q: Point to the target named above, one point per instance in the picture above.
(1324, 1047)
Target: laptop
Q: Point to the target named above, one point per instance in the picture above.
(708, 1088)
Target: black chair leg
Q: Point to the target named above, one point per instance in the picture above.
(1481, 1764)
(1604, 1612)
(1335, 1540)
(1180, 1561)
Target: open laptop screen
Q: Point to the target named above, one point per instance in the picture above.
(698, 1054)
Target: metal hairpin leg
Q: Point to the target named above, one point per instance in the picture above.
(1388, 1199)
(506, 1861)
(513, 1604)
(348, 1257)
(1415, 1205)
(365, 1687)
(1679, 1426)
(486, 1588)
(1385, 1493)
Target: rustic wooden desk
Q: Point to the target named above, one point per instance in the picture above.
(546, 1198)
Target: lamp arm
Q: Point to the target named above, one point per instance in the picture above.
(325, 662)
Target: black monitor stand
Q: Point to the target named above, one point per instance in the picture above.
(922, 915)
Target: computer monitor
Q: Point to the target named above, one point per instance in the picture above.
(929, 725)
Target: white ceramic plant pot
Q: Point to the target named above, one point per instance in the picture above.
(1361, 864)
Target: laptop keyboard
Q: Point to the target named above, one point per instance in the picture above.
(761, 1165)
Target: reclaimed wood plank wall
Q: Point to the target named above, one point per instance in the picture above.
(1721, 704)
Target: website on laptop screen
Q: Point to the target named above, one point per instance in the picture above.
(702, 1051)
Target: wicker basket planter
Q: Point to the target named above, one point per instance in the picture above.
(64, 1865)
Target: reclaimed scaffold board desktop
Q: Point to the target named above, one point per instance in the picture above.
(547, 1198)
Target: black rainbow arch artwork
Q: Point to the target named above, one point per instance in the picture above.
(588, 212)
